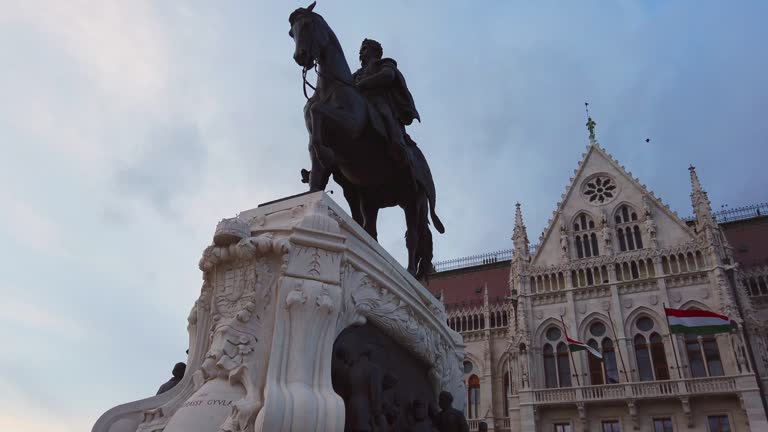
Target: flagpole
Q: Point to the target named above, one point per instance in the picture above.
(573, 364)
(672, 341)
(618, 347)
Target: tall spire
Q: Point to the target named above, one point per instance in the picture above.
(520, 235)
(590, 125)
(702, 208)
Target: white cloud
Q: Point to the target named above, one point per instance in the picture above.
(30, 227)
(16, 417)
(119, 45)
(35, 316)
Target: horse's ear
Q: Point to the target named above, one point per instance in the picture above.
(312, 6)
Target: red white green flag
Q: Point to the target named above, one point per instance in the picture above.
(575, 345)
(697, 322)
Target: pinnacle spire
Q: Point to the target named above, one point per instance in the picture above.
(699, 200)
(520, 234)
(695, 183)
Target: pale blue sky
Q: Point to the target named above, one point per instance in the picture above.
(129, 128)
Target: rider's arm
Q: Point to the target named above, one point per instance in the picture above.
(382, 78)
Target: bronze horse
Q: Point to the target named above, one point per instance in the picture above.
(344, 143)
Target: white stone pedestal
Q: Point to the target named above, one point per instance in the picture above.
(279, 284)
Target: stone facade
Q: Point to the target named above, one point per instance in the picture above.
(611, 257)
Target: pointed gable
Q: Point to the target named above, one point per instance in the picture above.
(598, 189)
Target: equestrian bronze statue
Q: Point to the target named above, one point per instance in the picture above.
(356, 124)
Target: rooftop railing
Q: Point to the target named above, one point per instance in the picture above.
(473, 260)
(737, 213)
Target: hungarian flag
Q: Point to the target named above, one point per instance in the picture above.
(575, 345)
(697, 322)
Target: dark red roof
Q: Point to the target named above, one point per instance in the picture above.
(749, 239)
(465, 286)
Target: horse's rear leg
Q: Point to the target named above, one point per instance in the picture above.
(412, 235)
(370, 215)
(424, 251)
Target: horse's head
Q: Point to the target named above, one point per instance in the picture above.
(310, 33)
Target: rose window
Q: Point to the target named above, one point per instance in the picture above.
(599, 190)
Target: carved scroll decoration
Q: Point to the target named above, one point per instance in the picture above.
(365, 301)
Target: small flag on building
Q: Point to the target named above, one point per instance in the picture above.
(697, 322)
(575, 345)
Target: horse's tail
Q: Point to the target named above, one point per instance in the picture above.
(433, 214)
(423, 175)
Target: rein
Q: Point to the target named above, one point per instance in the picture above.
(306, 83)
(333, 77)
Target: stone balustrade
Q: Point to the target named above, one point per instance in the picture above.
(636, 390)
(503, 424)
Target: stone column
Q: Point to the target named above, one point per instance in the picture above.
(527, 412)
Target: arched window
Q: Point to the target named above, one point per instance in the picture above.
(644, 368)
(602, 371)
(659, 357)
(627, 229)
(482, 322)
(630, 240)
(473, 397)
(585, 239)
(550, 367)
(703, 356)
(609, 361)
(504, 319)
(595, 250)
(649, 351)
(622, 242)
(695, 359)
(493, 320)
(563, 367)
(595, 365)
(557, 370)
(507, 392)
(638, 237)
(625, 214)
(579, 250)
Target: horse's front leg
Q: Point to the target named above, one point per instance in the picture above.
(370, 213)
(318, 176)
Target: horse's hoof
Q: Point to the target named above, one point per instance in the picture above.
(304, 176)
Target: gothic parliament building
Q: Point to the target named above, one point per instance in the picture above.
(610, 259)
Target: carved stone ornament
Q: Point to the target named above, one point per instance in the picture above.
(302, 274)
(599, 189)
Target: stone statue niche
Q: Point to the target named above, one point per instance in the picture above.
(384, 387)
